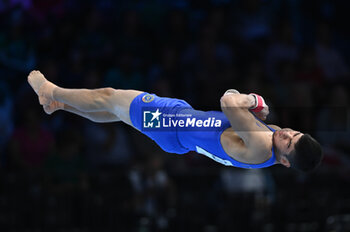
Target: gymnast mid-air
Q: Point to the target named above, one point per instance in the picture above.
(237, 136)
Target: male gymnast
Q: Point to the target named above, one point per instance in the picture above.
(235, 137)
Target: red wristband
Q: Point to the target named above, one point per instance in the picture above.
(259, 103)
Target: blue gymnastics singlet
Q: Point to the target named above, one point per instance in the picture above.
(178, 128)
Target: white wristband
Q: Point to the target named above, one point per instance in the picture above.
(231, 91)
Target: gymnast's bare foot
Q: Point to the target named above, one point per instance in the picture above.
(36, 79)
(53, 106)
(42, 87)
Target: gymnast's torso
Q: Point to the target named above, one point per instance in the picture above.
(178, 128)
(218, 142)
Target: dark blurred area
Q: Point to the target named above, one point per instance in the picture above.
(65, 173)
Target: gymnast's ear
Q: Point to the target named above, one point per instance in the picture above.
(284, 161)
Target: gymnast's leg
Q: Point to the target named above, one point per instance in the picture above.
(93, 104)
(100, 116)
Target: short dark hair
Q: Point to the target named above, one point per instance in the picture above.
(307, 154)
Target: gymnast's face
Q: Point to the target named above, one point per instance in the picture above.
(284, 141)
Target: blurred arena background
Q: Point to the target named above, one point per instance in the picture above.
(65, 173)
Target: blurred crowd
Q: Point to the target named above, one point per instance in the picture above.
(64, 172)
